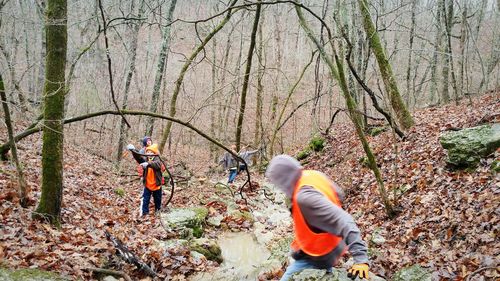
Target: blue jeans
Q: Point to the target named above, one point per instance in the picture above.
(233, 172)
(297, 266)
(146, 197)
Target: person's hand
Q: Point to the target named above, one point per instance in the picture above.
(144, 164)
(360, 270)
(130, 146)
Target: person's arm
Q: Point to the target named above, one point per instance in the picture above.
(322, 214)
(155, 164)
(139, 158)
(252, 152)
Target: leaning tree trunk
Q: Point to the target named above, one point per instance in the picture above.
(49, 206)
(128, 80)
(183, 71)
(160, 68)
(337, 72)
(246, 76)
(23, 189)
(397, 104)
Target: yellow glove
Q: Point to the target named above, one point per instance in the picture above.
(360, 270)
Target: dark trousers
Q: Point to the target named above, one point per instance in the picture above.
(146, 197)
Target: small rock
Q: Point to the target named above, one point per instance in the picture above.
(215, 221)
(412, 273)
(377, 239)
(209, 248)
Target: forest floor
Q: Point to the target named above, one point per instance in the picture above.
(449, 220)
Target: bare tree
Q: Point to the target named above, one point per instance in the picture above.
(391, 86)
(337, 72)
(178, 83)
(246, 76)
(49, 206)
(160, 68)
(23, 187)
(130, 72)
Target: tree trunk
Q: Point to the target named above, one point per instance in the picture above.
(49, 206)
(43, 50)
(463, 38)
(246, 76)
(128, 80)
(437, 50)
(259, 128)
(160, 68)
(410, 50)
(448, 59)
(23, 188)
(338, 73)
(213, 148)
(402, 113)
(183, 71)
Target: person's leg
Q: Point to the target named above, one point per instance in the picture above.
(157, 199)
(232, 175)
(243, 167)
(146, 196)
(296, 266)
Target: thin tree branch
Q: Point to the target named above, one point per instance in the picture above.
(109, 64)
(6, 146)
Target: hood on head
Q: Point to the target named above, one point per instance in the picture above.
(153, 148)
(284, 171)
(145, 140)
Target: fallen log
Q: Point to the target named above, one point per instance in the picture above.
(128, 256)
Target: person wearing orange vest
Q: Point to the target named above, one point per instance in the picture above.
(152, 176)
(323, 231)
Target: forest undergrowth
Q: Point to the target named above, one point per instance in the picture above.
(449, 219)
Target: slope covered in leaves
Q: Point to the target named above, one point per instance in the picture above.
(449, 220)
(91, 205)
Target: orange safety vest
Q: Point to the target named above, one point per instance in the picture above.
(311, 243)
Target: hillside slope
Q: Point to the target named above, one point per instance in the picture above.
(449, 220)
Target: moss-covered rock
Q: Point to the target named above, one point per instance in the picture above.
(186, 221)
(173, 244)
(303, 154)
(223, 190)
(245, 215)
(317, 143)
(338, 274)
(281, 247)
(29, 274)
(209, 248)
(466, 147)
(412, 273)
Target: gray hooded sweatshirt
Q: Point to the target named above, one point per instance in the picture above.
(320, 213)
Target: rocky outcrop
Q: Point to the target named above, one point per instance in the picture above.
(466, 147)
